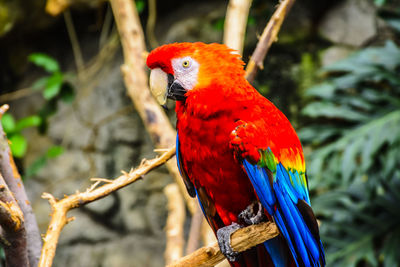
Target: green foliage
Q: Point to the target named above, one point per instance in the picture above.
(54, 87)
(140, 5)
(13, 129)
(355, 133)
(52, 84)
(46, 62)
(54, 151)
(8, 123)
(18, 145)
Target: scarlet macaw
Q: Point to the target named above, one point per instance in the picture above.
(237, 153)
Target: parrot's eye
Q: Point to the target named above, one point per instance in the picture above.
(186, 64)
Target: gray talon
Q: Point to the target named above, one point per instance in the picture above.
(253, 214)
(224, 241)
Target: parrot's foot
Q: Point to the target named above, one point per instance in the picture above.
(224, 241)
(253, 214)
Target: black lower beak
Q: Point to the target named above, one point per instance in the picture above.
(175, 90)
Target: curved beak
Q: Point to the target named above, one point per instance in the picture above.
(163, 86)
(159, 85)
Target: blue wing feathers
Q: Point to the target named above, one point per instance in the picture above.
(281, 199)
(259, 179)
(291, 225)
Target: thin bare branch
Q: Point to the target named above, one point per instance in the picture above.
(151, 23)
(17, 94)
(241, 240)
(76, 48)
(235, 23)
(175, 221)
(268, 36)
(61, 207)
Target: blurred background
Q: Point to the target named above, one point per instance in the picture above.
(334, 72)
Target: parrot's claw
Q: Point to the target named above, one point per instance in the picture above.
(224, 241)
(253, 214)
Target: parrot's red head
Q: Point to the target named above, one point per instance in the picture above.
(181, 69)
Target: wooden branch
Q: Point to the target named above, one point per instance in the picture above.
(135, 76)
(11, 216)
(12, 221)
(61, 207)
(268, 36)
(235, 23)
(12, 224)
(13, 180)
(241, 240)
(175, 221)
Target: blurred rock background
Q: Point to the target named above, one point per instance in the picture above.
(94, 127)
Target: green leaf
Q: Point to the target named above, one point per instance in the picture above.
(330, 110)
(44, 61)
(324, 90)
(8, 123)
(53, 85)
(140, 4)
(40, 83)
(18, 145)
(54, 151)
(30, 121)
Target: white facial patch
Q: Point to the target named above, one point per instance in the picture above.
(185, 71)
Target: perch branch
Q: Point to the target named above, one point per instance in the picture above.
(135, 76)
(13, 180)
(61, 207)
(235, 23)
(268, 36)
(174, 226)
(241, 240)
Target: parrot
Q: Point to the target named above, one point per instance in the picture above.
(237, 153)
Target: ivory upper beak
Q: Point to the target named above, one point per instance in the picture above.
(159, 85)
